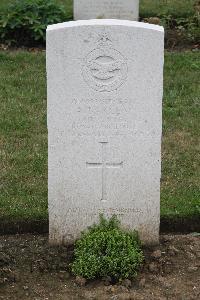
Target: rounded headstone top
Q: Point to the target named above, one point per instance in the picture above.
(105, 22)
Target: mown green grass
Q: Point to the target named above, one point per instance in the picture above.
(23, 136)
(181, 135)
(148, 8)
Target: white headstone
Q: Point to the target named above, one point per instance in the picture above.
(105, 84)
(106, 9)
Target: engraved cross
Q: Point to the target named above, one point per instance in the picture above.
(104, 165)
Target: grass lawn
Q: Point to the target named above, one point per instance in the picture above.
(147, 7)
(23, 136)
(180, 193)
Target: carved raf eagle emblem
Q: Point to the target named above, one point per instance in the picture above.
(105, 71)
(105, 68)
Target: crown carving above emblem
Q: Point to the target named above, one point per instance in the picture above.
(104, 40)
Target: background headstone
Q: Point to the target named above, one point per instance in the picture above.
(105, 84)
(106, 9)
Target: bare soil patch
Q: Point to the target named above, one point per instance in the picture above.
(31, 269)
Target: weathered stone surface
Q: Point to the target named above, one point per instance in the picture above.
(106, 9)
(105, 82)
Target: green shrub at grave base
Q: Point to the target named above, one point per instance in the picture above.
(107, 250)
(24, 22)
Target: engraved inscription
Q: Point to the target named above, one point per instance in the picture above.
(104, 165)
(101, 117)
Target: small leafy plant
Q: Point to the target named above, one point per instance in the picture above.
(25, 21)
(107, 250)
